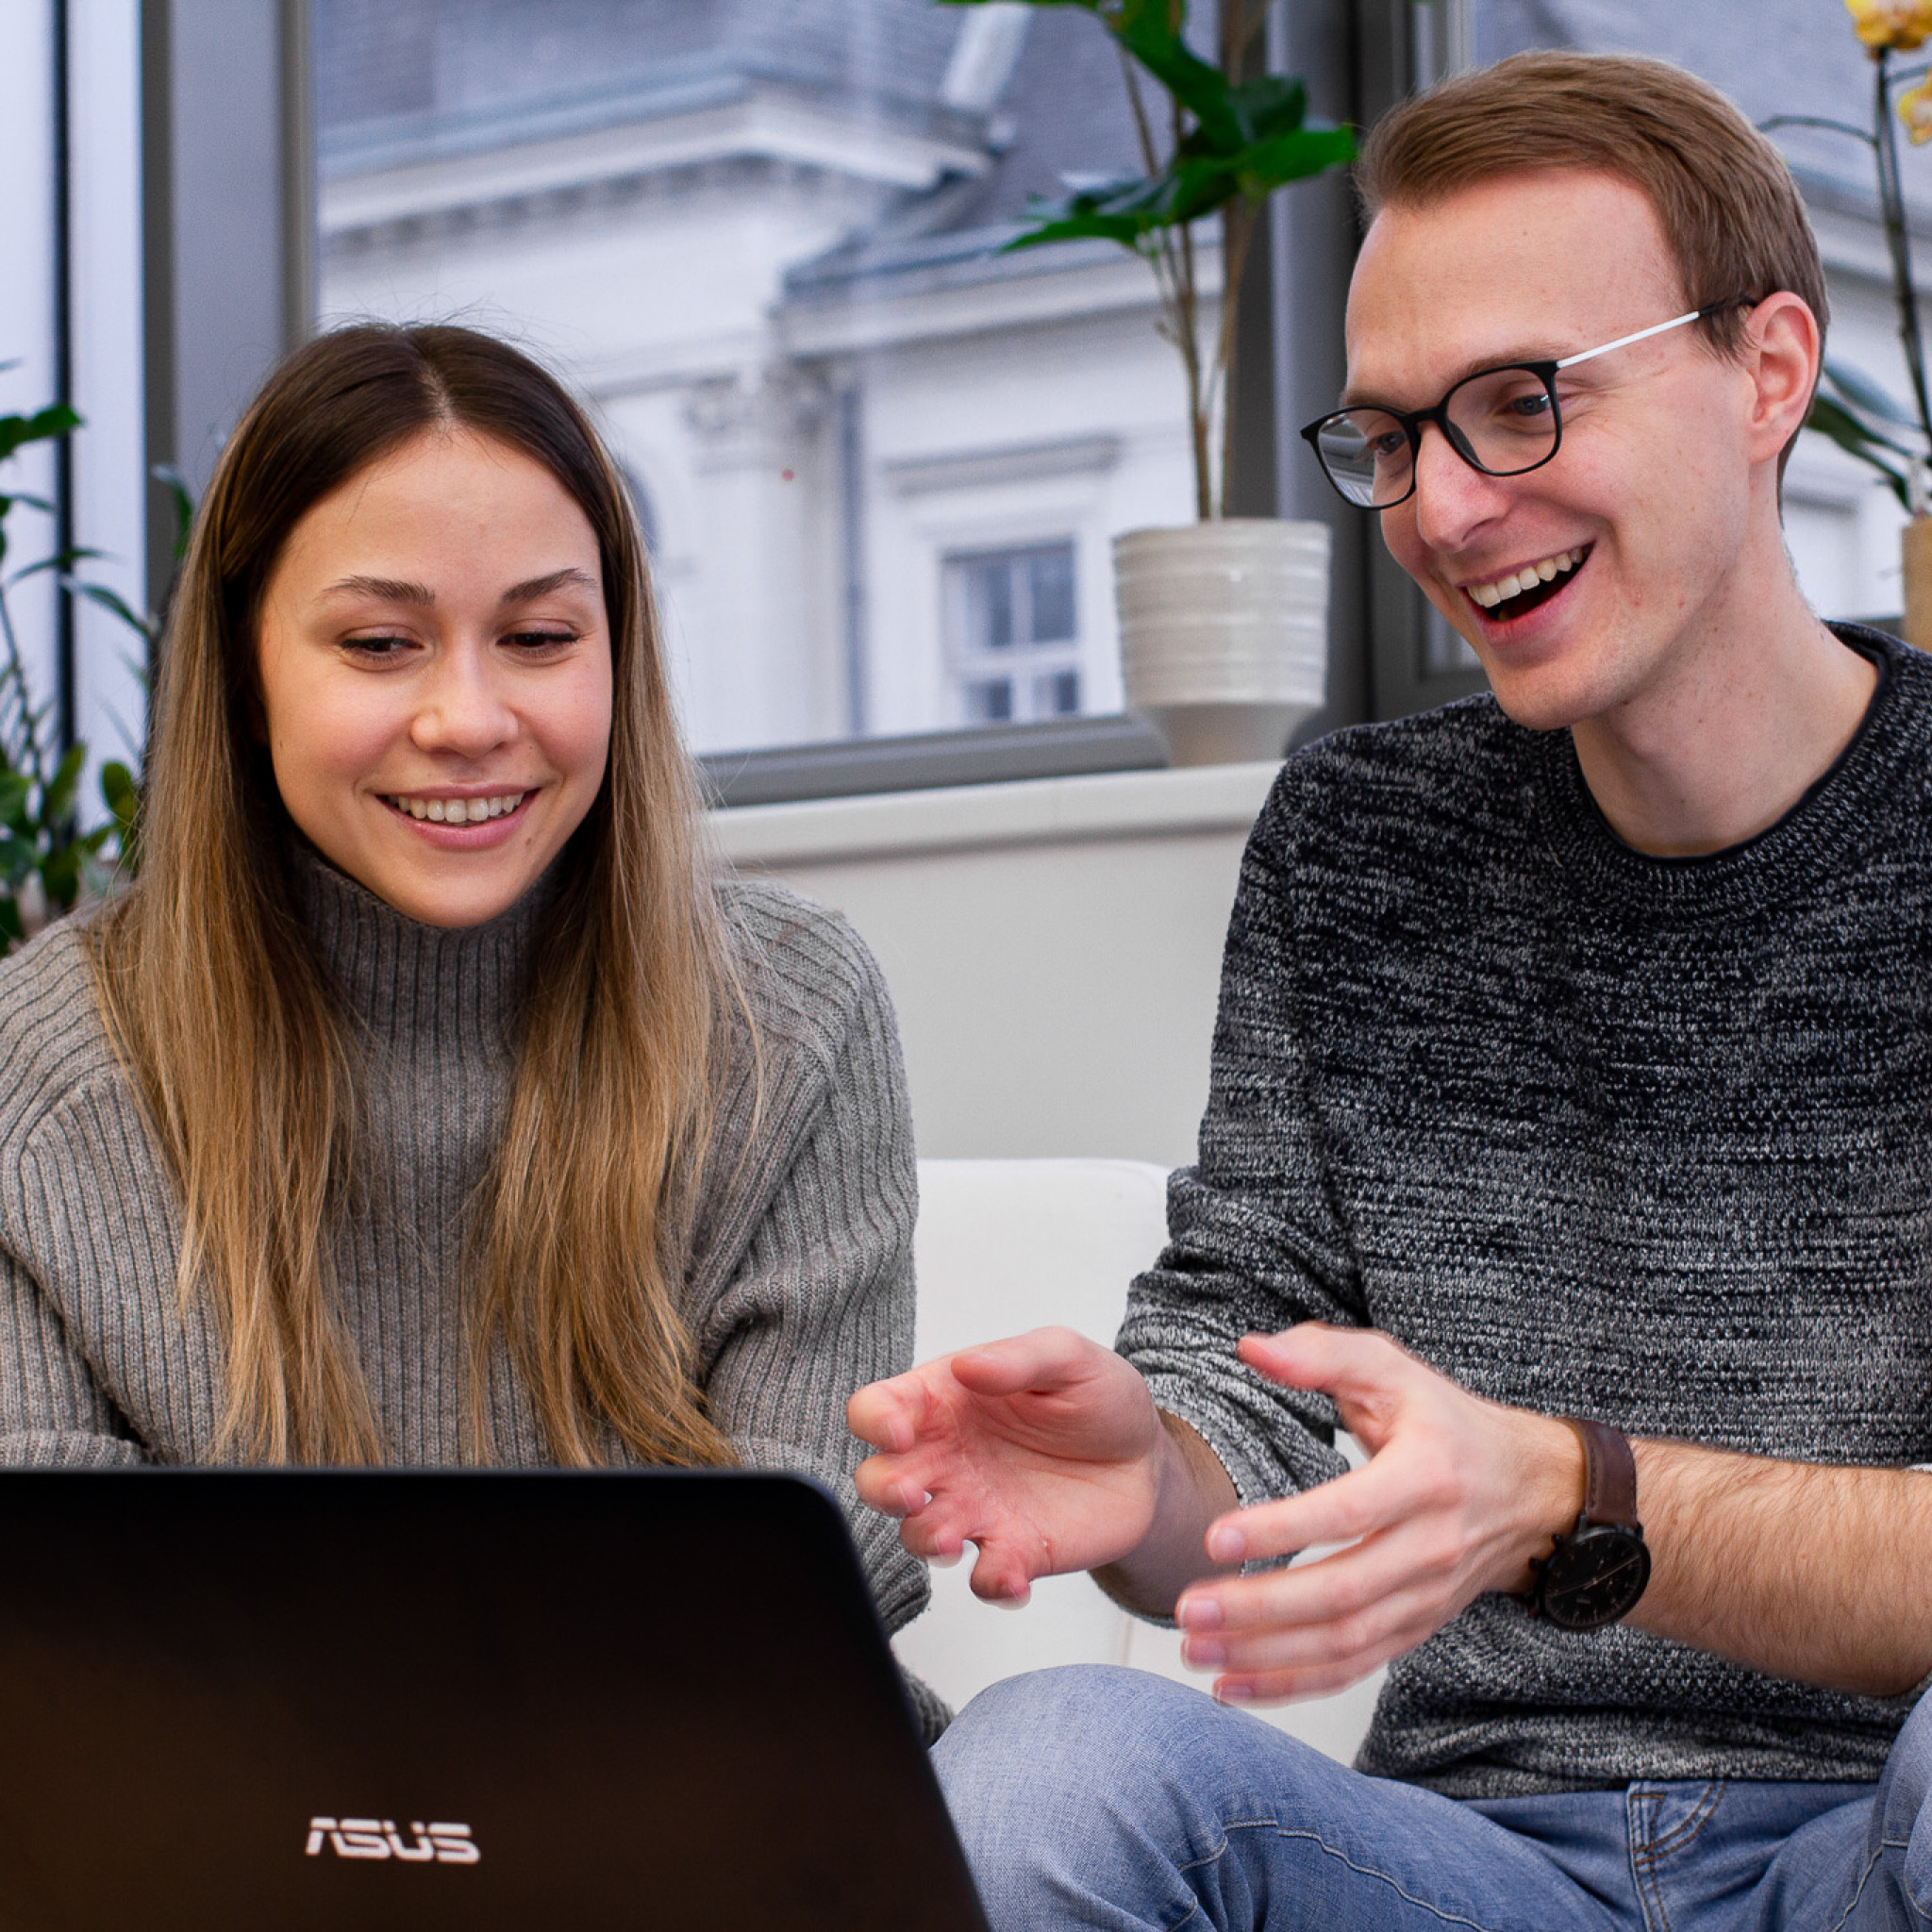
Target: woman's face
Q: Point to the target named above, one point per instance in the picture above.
(436, 683)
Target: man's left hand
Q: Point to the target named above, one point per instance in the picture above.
(1458, 1497)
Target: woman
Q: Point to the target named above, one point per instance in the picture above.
(427, 1100)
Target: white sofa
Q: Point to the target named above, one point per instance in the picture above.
(1006, 1245)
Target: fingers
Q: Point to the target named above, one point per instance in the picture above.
(1402, 1619)
(1363, 1370)
(894, 1414)
(1294, 1687)
(890, 1415)
(1041, 1359)
(1365, 1500)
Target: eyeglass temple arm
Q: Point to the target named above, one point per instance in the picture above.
(1656, 329)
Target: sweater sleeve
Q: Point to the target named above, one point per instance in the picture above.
(1254, 1242)
(821, 1299)
(52, 1411)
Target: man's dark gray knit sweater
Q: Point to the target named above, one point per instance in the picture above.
(1596, 1134)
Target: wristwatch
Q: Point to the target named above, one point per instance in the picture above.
(1597, 1573)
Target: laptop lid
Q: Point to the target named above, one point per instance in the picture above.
(400, 1699)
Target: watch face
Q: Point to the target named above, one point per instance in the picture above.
(1592, 1577)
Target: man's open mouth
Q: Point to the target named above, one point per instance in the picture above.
(1520, 590)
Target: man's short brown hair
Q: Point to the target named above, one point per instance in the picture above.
(1730, 211)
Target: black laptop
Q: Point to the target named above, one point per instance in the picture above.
(566, 1700)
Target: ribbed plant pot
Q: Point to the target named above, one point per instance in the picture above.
(1915, 554)
(1224, 633)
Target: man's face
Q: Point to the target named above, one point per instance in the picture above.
(1652, 483)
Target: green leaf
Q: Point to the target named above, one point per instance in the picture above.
(1122, 229)
(16, 788)
(60, 876)
(62, 560)
(1270, 104)
(1844, 429)
(176, 486)
(122, 798)
(56, 419)
(57, 805)
(11, 930)
(1863, 393)
(1147, 29)
(119, 793)
(112, 601)
(1270, 164)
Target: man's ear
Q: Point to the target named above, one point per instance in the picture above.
(1783, 348)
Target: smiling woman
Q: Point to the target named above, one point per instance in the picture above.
(431, 1098)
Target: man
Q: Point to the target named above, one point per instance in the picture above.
(1577, 1041)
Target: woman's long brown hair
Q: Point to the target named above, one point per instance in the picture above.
(245, 1060)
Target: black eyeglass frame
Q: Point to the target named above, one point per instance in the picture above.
(1545, 372)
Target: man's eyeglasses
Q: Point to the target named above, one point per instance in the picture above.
(1503, 422)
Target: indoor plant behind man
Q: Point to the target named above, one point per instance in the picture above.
(1575, 1039)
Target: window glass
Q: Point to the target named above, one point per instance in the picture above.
(1015, 646)
(761, 238)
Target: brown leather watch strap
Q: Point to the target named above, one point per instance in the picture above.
(1609, 1474)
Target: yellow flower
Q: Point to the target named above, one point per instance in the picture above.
(1899, 23)
(1915, 110)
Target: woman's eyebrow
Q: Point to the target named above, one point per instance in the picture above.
(570, 577)
(391, 589)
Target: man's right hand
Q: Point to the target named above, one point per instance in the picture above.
(1046, 1451)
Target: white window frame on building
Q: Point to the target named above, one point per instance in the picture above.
(1013, 661)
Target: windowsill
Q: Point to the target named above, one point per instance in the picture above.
(1112, 804)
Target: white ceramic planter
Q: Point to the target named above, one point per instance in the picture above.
(1225, 632)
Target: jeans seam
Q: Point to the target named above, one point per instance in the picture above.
(1341, 1857)
(1700, 1815)
(1837, 1924)
(1642, 1858)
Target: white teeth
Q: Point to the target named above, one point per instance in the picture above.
(1489, 595)
(459, 812)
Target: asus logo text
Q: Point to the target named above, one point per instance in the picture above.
(378, 1838)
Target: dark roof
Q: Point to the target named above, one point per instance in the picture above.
(1068, 110)
(379, 58)
(399, 77)
(1772, 56)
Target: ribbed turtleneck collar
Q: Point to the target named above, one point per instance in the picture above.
(447, 989)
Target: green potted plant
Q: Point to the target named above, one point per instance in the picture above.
(46, 858)
(1224, 622)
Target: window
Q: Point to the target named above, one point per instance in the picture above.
(1015, 636)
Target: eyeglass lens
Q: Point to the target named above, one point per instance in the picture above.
(1503, 422)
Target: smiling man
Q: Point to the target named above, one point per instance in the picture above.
(1568, 1142)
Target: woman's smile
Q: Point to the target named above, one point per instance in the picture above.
(462, 821)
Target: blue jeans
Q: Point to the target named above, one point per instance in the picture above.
(1113, 1798)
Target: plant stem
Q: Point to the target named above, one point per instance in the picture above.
(1238, 223)
(27, 756)
(1239, 27)
(1898, 243)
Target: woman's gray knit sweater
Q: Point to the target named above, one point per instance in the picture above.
(799, 1290)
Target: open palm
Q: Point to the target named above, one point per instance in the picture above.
(1042, 1450)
